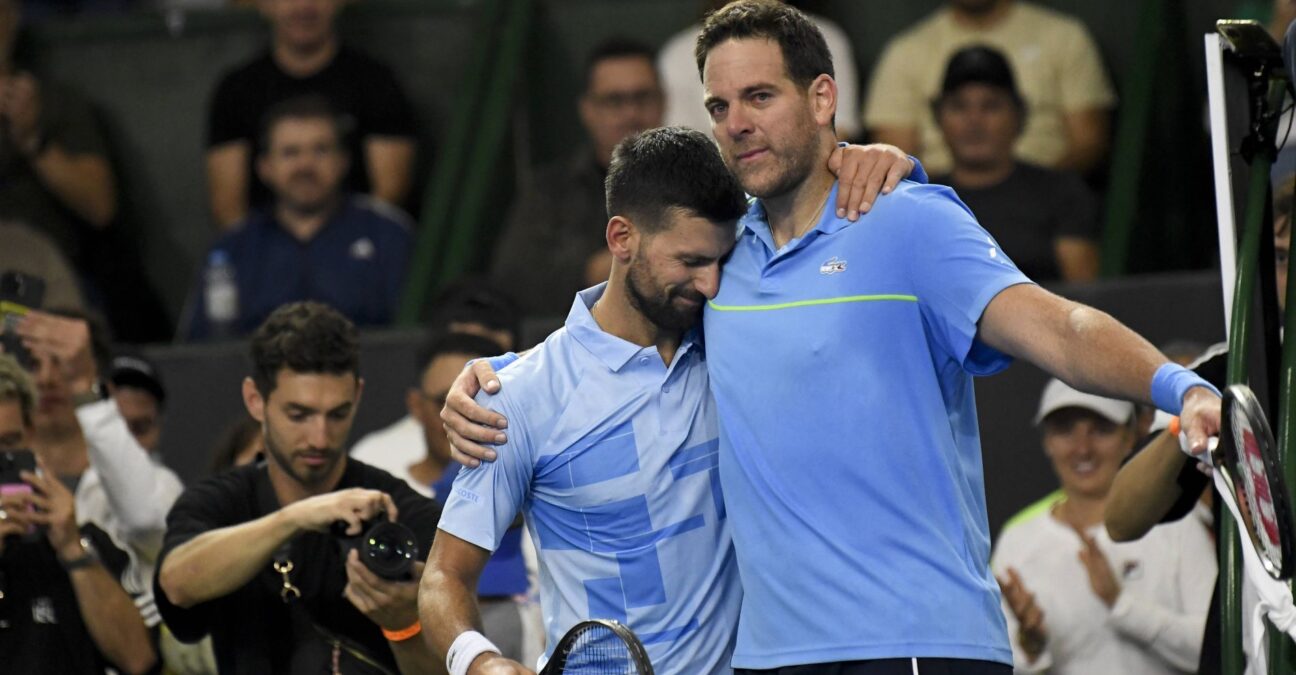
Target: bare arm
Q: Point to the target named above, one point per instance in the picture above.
(83, 183)
(393, 606)
(390, 160)
(1089, 350)
(1077, 258)
(111, 618)
(1144, 489)
(218, 562)
(1087, 139)
(448, 599)
(227, 182)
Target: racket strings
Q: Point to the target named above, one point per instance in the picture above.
(599, 651)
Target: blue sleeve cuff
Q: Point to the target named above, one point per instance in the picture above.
(1171, 382)
(919, 174)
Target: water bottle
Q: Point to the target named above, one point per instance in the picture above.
(221, 294)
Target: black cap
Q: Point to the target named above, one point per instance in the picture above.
(138, 372)
(979, 65)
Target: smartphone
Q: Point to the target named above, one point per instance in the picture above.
(12, 464)
(19, 293)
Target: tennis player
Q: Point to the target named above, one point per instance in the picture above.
(614, 451)
(841, 357)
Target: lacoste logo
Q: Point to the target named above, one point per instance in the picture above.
(833, 266)
(362, 249)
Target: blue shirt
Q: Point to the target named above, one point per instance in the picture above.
(612, 457)
(356, 264)
(505, 573)
(849, 454)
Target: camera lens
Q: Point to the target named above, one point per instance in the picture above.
(389, 550)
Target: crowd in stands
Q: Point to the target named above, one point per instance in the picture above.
(310, 160)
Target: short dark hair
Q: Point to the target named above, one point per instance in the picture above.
(805, 52)
(440, 344)
(617, 48)
(474, 299)
(673, 167)
(309, 107)
(304, 337)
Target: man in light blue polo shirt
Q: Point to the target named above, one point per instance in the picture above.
(841, 358)
(613, 457)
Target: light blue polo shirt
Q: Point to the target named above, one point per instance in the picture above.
(612, 457)
(842, 370)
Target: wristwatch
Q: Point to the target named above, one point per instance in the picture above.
(96, 393)
(90, 557)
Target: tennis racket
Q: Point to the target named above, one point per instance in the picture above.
(599, 647)
(1247, 459)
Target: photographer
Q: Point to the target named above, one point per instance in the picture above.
(62, 607)
(255, 556)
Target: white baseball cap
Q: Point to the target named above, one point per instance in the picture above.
(1058, 395)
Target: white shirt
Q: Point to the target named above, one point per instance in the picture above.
(684, 94)
(1154, 627)
(127, 495)
(393, 449)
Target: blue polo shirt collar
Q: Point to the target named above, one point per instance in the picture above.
(609, 349)
(757, 223)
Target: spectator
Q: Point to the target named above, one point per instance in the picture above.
(138, 391)
(34, 254)
(428, 469)
(240, 445)
(248, 555)
(306, 57)
(1075, 601)
(315, 242)
(84, 441)
(678, 67)
(477, 307)
(56, 177)
(1057, 63)
(558, 221)
(1046, 217)
(61, 597)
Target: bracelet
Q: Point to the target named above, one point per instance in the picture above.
(404, 633)
(1174, 426)
(466, 648)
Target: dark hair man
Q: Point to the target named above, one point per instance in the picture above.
(613, 457)
(249, 557)
(62, 603)
(315, 242)
(860, 340)
(1046, 217)
(306, 57)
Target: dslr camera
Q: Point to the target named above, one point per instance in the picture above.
(386, 548)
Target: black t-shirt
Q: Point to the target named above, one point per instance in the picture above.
(252, 629)
(41, 630)
(364, 92)
(1028, 211)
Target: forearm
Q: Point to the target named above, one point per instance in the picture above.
(1102, 356)
(415, 655)
(1144, 489)
(83, 183)
(129, 478)
(113, 621)
(390, 160)
(447, 608)
(218, 562)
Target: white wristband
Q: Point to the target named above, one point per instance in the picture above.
(466, 648)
